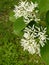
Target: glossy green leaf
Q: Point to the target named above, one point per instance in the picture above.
(45, 53)
(19, 25)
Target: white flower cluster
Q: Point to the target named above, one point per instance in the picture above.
(33, 38)
(27, 10)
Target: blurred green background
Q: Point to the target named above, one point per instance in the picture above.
(11, 52)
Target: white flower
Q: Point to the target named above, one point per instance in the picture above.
(42, 36)
(27, 10)
(33, 38)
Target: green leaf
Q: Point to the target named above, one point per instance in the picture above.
(47, 17)
(20, 33)
(47, 21)
(19, 25)
(43, 5)
(45, 53)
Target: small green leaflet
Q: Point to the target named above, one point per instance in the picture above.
(19, 25)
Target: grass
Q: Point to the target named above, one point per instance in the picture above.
(11, 52)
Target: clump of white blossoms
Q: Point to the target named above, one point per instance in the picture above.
(33, 38)
(27, 10)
